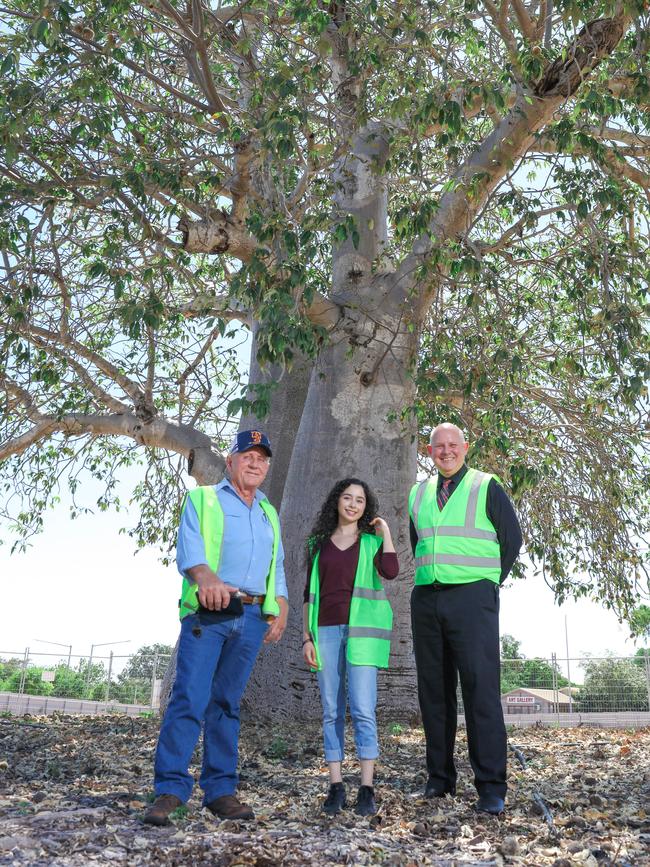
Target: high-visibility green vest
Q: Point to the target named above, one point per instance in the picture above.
(458, 544)
(371, 617)
(211, 524)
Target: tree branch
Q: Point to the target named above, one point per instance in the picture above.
(218, 233)
(100, 394)
(110, 370)
(524, 19)
(612, 158)
(500, 20)
(517, 227)
(509, 141)
(158, 433)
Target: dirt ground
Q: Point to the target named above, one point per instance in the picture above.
(73, 790)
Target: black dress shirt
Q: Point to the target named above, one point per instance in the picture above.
(501, 513)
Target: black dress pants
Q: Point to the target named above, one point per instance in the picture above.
(456, 632)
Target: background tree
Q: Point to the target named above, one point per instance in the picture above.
(135, 681)
(640, 621)
(510, 647)
(148, 660)
(614, 685)
(517, 671)
(428, 210)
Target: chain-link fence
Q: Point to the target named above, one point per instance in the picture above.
(606, 690)
(121, 679)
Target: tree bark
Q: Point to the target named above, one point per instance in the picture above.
(281, 424)
(356, 385)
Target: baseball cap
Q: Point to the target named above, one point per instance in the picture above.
(248, 439)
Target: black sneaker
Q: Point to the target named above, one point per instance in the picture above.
(335, 800)
(366, 805)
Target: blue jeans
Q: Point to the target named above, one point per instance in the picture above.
(362, 696)
(212, 670)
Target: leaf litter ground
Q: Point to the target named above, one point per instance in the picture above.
(73, 791)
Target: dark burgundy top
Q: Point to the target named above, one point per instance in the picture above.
(336, 571)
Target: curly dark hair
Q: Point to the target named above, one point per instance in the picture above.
(328, 517)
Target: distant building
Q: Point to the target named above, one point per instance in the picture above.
(524, 700)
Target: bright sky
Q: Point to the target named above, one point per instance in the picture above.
(82, 584)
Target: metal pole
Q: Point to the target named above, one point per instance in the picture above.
(90, 662)
(153, 677)
(23, 674)
(108, 679)
(568, 668)
(555, 694)
(646, 655)
(69, 655)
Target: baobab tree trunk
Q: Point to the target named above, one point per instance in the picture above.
(281, 424)
(358, 385)
(353, 420)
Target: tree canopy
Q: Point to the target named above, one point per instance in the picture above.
(518, 671)
(613, 684)
(446, 203)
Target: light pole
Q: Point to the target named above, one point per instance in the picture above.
(59, 644)
(92, 650)
(568, 667)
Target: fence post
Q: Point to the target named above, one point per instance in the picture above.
(153, 678)
(556, 697)
(646, 656)
(23, 673)
(108, 679)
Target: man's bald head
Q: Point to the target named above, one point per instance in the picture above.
(447, 427)
(448, 448)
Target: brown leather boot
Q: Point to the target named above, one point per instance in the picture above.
(158, 812)
(228, 807)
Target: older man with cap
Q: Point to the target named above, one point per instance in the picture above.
(234, 598)
(466, 538)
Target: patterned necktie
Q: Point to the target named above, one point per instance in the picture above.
(443, 494)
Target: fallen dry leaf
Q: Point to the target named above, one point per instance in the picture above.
(75, 788)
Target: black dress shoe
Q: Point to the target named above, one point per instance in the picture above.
(335, 800)
(492, 804)
(436, 790)
(365, 805)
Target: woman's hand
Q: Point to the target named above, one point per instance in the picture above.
(309, 653)
(381, 527)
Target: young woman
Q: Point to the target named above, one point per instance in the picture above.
(347, 622)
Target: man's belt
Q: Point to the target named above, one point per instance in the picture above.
(247, 599)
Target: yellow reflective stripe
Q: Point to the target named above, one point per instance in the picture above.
(427, 560)
(465, 532)
(460, 560)
(418, 499)
(369, 593)
(472, 501)
(369, 632)
(312, 598)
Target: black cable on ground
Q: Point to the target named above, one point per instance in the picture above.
(538, 801)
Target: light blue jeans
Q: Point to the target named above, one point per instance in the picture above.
(361, 695)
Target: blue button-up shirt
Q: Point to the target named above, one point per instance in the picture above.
(247, 543)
